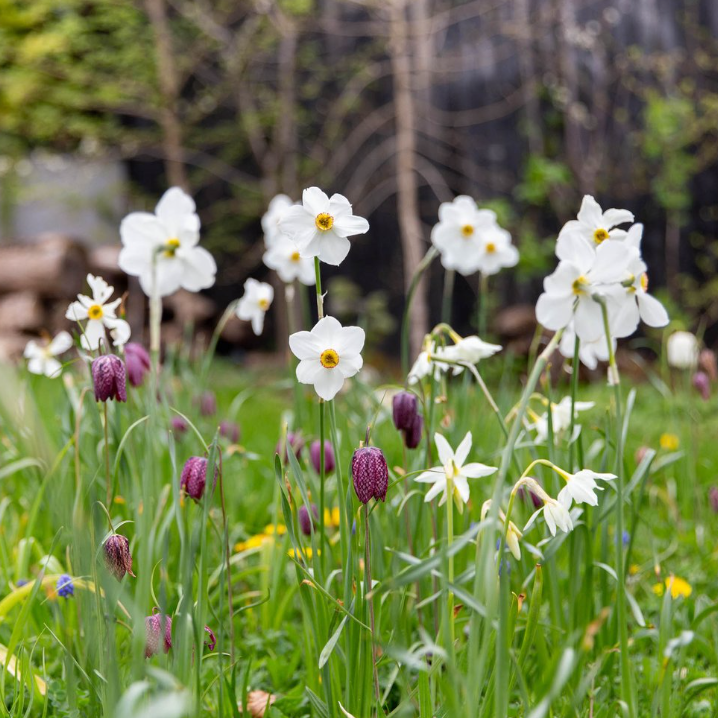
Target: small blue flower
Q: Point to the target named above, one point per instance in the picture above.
(22, 582)
(64, 586)
(626, 538)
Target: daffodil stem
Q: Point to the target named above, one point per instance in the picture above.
(483, 303)
(320, 297)
(574, 393)
(322, 479)
(449, 542)
(626, 688)
(449, 276)
(368, 589)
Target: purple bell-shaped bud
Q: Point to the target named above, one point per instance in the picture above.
(118, 557)
(108, 378)
(370, 474)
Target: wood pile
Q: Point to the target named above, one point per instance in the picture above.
(39, 278)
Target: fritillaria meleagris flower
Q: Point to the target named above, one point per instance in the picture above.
(404, 410)
(702, 384)
(208, 403)
(315, 451)
(157, 635)
(211, 641)
(712, 498)
(194, 477)
(179, 425)
(370, 474)
(118, 557)
(138, 363)
(412, 436)
(305, 520)
(230, 430)
(108, 378)
(295, 441)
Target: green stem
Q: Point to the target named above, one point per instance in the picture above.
(626, 688)
(449, 541)
(574, 392)
(320, 298)
(108, 476)
(368, 589)
(483, 303)
(449, 276)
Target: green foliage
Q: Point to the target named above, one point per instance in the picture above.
(541, 177)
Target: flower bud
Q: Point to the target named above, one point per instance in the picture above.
(315, 451)
(211, 642)
(208, 404)
(230, 430)
(108, 377)
(712, 498)
(179, 425)
(194, 477)
(138, 363)
(305, 520)
(156, 635)
(370, 474)
(294, 439)
(118, 557)
(412, 437)
(682, 350)
(702, 384)
(641, 452)
(404, 410)
(258, 702)
(708, 363)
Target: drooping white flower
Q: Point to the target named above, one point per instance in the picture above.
(592, 227)
(569, 293)
(555, 514)
(255, 302)
(96, 314)
(468, 350)
(270, 219)
(589, 353)
(284, 257)
(682, 350)
(470, 239)
(328, 354)
(163, 247)
(560, 418)
(453, 470)
(581, 487)
(638, 305)
(321, 225)
(41, 357)
(426, 365)
(513, 535)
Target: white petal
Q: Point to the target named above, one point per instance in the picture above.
(435, 490)
(476, 470)
(590, 213)
(554, 311)
(613, 217)
(652, 311)
(328, 384)
(173, 209)
(350, 340)
(305, 345)
(315, 201)
(350, 364)
(76, 312)
(309, 371)
(349, 225)
(446, 453)
(93, 335)
(333, 249)
(463, 449)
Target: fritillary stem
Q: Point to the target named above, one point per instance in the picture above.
(108, 476)
(368, 589)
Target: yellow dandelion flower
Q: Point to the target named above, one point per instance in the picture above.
(669, 442)
(679, 586)
(119, 499)
(307, 552)
(269, 529)
(658, 589)
(633, 569)
(331, 518)
(252, 542)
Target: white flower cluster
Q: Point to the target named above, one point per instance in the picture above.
(599, 265)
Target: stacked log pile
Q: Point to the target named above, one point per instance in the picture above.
(39, 278)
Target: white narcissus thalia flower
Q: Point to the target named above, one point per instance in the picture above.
(41, 357)
(470, 239)
(321, 225)
(513, 535)
(285, 258)
(569, 292)
(255, 302)
(555, 513)
(163, 247)
(581, 487)
(453, 470)
(96, 314)
(468, 350)
(592, 227)
(589, 353)
(682, 350)
(426, 365)
(560, 418)
(328, 354)
(270, 219)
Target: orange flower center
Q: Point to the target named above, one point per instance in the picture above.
(95, 312)
(600, 235)
(324, 222)
(329, 358)
(467, 230)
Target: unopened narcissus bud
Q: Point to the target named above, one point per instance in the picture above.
(138, 363)
(370, 474)
(118, 557)
(194, 477)
(315, 451)
(412, 436)
(404, 410)
(157, 635)
(108, 378)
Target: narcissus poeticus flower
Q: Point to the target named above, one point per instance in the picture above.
(41, 357)
(255, 303)
(286, 259)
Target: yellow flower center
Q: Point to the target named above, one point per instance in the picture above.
(600, 235)
(329, 358)
(490, 248)
(264, 304)
(295, 257)
(324, 222)
(644, 282)
(95, 312)
(579, 284)
(171, 246)
(467, 230)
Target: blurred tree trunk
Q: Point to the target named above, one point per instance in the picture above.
(407, 189)
(169, 90)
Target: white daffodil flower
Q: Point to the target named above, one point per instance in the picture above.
(569, 293)
(328, 354)
(321, 224)
(682, 350)
(470, 239)
(162, 248)
(554, 513)
(453, 471)
(270, 219)
(96, 314)
(592, 227)
(41, 357)
(589, 353)
(560, 418)
(255, 302)
(426, 365)
(468, 350)
(513, 535)
(581, 487)
(284, 257)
